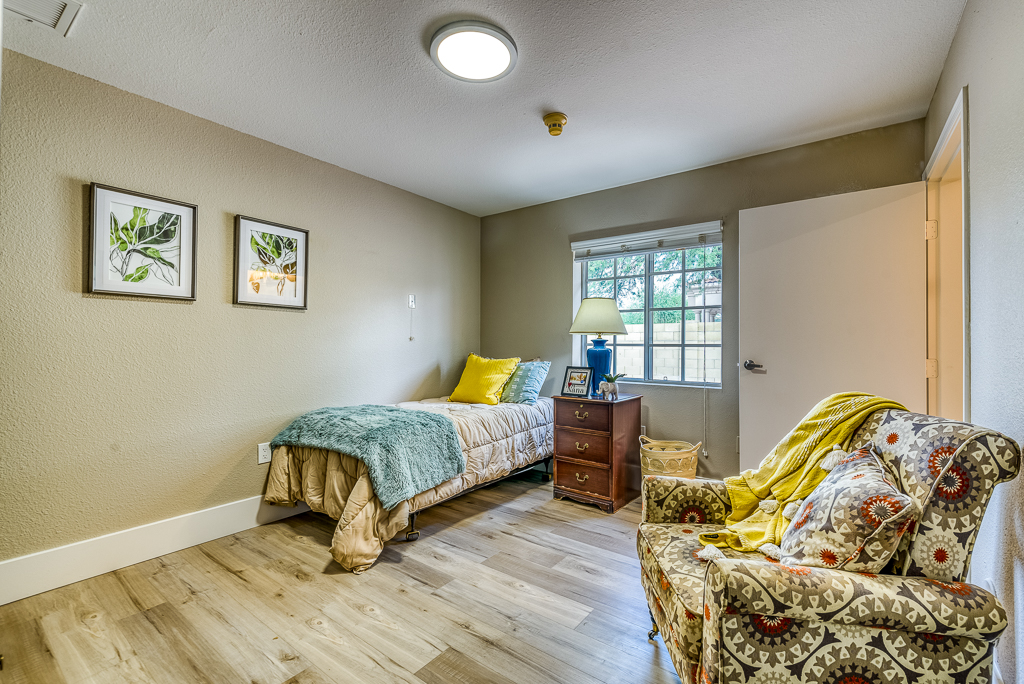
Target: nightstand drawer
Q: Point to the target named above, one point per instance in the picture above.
(582, 478)
(585, 446)
(582, 415)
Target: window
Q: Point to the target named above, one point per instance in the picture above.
(671, 303)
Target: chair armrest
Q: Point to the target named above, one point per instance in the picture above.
(672, 499)
(910, 604)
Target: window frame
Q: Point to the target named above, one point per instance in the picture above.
(648, 311)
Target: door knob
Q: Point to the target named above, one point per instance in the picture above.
(750, 365)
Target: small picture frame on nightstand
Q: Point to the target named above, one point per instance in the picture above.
(577, 381)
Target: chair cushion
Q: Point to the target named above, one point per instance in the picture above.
(853, 520)
(674, 575)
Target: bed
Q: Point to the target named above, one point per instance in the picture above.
(496, 441)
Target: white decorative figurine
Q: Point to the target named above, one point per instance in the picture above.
(609, 387)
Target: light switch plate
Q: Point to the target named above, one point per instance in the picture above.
(263, 453)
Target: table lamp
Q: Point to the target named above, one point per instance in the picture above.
(598, 316)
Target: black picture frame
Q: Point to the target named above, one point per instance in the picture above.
(573, 389)
(240, 292)
(101, 250)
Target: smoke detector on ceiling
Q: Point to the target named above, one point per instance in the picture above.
(555, 121)
(53, 14)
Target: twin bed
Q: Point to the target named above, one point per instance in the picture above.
(496, 442)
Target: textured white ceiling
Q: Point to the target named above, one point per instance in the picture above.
(650, 87)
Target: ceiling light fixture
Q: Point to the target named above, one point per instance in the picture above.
(473, 51)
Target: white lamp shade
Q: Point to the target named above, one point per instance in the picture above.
(598, 316)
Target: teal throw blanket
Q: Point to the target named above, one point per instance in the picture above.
(406, 451)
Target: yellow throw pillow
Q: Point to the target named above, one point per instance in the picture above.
(483, 380)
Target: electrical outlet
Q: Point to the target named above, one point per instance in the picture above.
(643, 429)
(263, 453)
(412, 301)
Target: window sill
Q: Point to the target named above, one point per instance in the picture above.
(682, 385)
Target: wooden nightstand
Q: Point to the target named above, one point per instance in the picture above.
(597, 450)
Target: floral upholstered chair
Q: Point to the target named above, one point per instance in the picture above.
(748, 618)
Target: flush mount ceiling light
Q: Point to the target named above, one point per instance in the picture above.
(473, 51)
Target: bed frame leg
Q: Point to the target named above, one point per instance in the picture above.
(413, 534)
(546, 475)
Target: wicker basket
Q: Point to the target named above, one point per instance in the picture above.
(674, 459)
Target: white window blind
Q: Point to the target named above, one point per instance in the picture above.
(679, 237)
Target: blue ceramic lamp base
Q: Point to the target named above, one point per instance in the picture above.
(599, 357)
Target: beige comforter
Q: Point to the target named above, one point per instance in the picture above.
(495, 440)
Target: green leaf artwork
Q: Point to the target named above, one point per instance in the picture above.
(137, 276)
(144, 244)
(273, 274)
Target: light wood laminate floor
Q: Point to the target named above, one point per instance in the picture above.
(504, 585)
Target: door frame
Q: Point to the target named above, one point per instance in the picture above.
(952, 139)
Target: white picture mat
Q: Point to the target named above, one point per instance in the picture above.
(101, 279)
(245, 258)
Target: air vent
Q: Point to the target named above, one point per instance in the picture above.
(53, 14)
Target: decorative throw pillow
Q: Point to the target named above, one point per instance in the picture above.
(524, 385)
(483, 380)
(853, 520)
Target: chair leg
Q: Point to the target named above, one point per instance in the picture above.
(654, 628)
(413, 534)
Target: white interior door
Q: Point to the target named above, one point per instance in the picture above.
(832, 299)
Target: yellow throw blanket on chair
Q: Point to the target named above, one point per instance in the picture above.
(791, 471)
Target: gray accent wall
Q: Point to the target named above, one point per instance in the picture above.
(123, 411)
(987, 56)
(527, 268)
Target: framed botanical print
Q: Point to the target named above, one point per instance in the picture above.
(142, 246)
(577, 381)
(270, 264)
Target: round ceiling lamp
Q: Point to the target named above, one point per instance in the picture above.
(473, 51)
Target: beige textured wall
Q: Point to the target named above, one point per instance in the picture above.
(119, 412)
(527, 264)
(986, 56)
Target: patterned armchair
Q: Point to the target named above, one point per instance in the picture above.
(748, 618)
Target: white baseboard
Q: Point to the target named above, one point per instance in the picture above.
(38, 572)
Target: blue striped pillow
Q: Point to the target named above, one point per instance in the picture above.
(524, 385)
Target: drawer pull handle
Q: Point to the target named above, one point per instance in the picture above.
(583, 479)
(583, 417)
(583, 448)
